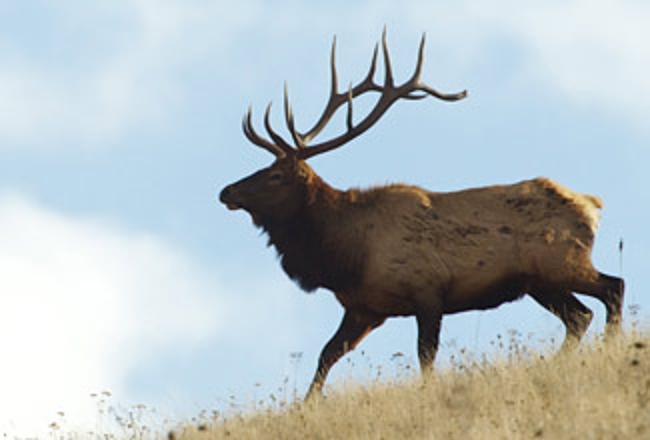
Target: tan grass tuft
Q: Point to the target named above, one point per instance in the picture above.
(600, 391)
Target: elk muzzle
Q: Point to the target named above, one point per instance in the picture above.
(227, 197)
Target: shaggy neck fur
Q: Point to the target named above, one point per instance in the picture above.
(314, 250)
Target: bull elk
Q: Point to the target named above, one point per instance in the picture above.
(400, 250)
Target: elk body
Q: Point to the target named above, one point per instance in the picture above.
(400, 250)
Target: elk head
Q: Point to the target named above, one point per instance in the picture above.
(279, 189)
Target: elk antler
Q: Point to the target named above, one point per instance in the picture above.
(390, 93)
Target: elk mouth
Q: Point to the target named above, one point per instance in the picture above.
(231, 205)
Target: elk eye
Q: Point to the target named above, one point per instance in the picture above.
(275, 177)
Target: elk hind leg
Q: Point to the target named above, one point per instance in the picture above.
(610, 291)
(575, 316)
(353, 328)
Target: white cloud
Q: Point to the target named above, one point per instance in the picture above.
(589, 52)
(113, 66)
(121, 63)
(595, 52)
(81, 304)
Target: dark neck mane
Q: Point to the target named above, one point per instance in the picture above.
(311, 250)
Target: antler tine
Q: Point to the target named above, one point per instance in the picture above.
(291, 125)
(388, 79)
(368, 84)
(335, 80)
(277, 139)
(251, 135)
(444, 96)
(349, 118)
(373, 67)
(416, 81)
(332, 102)
(418, 67)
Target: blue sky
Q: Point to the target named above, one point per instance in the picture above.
(120, 122)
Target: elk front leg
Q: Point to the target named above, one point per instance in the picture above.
(429, 322)
(354, 327)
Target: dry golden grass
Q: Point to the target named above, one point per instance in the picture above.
(601, 391)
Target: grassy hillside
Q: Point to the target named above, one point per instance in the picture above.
(601, 391)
